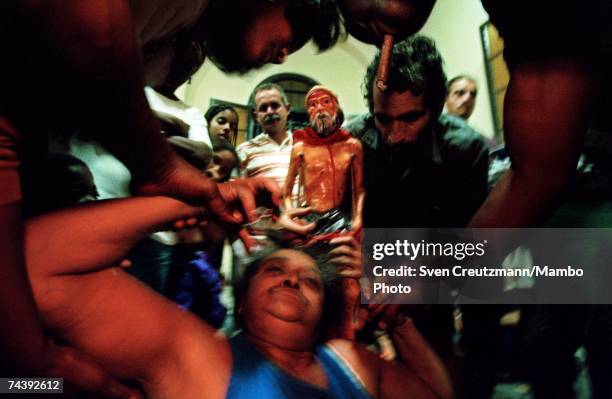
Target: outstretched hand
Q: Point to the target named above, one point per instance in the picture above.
(182, 181)
(250, 193)
(232, 202)
(289, 220)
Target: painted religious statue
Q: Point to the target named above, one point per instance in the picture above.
(327, 161)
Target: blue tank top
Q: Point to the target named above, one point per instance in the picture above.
(254, 376)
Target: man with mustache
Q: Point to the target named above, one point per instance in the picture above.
(328, 161)
(268, 153)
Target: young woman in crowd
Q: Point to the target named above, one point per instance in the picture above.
(222, 122)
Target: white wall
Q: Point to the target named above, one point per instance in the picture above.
(454, 25)
(342, 69)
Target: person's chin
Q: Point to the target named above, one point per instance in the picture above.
(236, 65)
(287, 311)
(401, 139)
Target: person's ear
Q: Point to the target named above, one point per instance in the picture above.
(288, 106)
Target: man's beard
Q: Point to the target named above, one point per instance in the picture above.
(323, 123)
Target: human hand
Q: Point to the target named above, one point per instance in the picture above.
(389, 316)
(289, 220)
(188, 223)
(346, 256)
(251, 192)
(83, 374)
(182, 181)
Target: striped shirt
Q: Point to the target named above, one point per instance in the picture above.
(262, 156)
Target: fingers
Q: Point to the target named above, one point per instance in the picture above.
(347, 239)
(297, 228)
(289, 220)
(247, 240)
(245, 190)
(271, 186)
(185, 224)
(298, 212)
(347, 264)
(219, 207)
(386, 314)
(347, 255)
(191, 222)
(247, 200)
(344, 250)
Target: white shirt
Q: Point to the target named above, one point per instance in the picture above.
(262, 156)
(190, 115)
(111, 176)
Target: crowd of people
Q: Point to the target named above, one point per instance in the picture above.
(116, 204)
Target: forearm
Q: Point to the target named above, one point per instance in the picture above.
(415, 354)
(95, 235)
(90, 48)
(518, 201)
(544, 130)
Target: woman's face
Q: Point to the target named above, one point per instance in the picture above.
(288, 288)
(221, 165)
(224, 124)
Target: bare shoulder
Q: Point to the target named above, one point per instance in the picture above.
(298, 148)
(355, 143)
(362, 362)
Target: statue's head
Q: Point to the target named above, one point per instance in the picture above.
(323, 110)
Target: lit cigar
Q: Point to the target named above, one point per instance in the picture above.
(385, 60)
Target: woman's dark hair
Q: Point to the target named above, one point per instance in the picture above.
(333, 295)
(216, 109)
(213, 110)
(318, 20)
